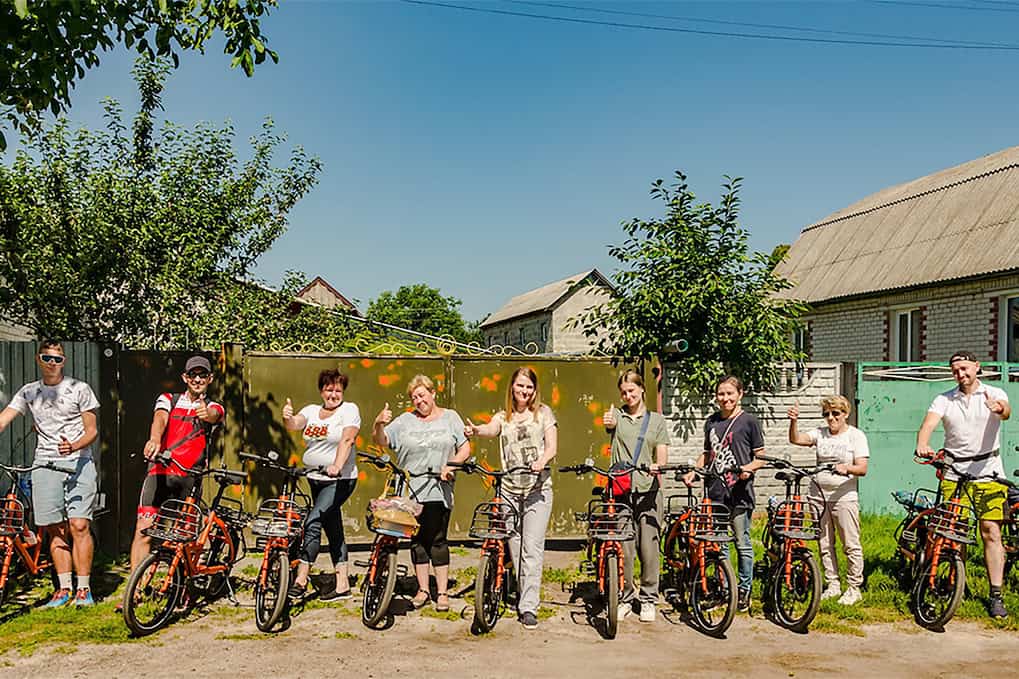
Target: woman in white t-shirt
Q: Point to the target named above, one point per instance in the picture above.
(845, 446)
(329, 430)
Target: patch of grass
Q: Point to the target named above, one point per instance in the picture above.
(63, 626)
(430, 612)
(250, 571)
(563, 576)
(345, 635)
(459, 551)
(251, 636)
(545, 612)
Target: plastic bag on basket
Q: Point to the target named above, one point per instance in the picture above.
(400, 504)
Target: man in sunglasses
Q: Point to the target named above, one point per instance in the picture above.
(181, 425)
(64, 416)
(972, 414)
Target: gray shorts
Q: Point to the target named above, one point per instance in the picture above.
(57, 497)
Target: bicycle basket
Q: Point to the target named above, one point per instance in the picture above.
(494, 521)
(176, 521)
(279, 518)
(392, 516)
(12, 517)
(953, 520)
(607, 521)
(797, 519)
(711, 521)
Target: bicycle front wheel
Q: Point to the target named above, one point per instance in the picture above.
(611, 594)
(488, 595)
(379, 585)
(271, 590)
(713, 595)
(796, 593)
(934, 603)
(152, 593)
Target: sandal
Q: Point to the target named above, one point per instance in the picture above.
(442, 602)
(420, 599)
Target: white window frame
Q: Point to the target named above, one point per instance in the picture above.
(1003, 329)
(894, 337)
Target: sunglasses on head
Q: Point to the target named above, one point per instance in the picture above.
(198, 375)
(51, 358)
(826, 413)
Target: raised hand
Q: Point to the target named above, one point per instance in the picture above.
(994, 405)
(470, 429)
(609, 418)
(288, 410)
(385, 415)
(794, 412)
(202, 409)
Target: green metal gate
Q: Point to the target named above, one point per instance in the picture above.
(892, 401)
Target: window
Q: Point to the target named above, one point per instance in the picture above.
(522, 337)
(544, 332)
(800, 340)
(907, 335)
(1012, 329)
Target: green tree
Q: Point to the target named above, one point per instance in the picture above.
(46, 46)
(691, 276)
(423, 309)
(128, 237)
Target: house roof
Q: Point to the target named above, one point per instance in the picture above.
(957, 223)
(542, 299)
(318, 281)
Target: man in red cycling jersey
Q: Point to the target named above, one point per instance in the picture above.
(181, 425)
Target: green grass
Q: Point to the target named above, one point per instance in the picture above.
(345, 635)
(242, 636)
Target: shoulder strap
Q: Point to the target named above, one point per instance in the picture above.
(640, 439)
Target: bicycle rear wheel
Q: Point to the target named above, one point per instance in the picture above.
(271, 597)
(379, 585)
(934, 603)
(152, 593)
(797, 597)
(611, 594)
(713, 596)
(488, 597)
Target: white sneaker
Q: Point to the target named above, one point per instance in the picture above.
(624, 610)
(851, 596)
(647, 612)
(833, 590)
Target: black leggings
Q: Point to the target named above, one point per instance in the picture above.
(430, 542)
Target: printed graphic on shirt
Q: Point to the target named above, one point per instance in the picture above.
(722, 456)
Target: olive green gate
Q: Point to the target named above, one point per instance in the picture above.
(892, 401)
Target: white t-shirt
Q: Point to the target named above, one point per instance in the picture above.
(56, 411)
(971, 429)
(841, 448)
(322, 436)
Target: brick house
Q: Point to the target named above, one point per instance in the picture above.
(539, 317)
(916, 271)
(319, 292)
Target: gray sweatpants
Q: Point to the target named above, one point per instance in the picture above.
(535, 510)
(647, 514)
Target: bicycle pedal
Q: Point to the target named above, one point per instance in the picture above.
(361, 564)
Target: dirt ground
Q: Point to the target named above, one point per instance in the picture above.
(330, 640)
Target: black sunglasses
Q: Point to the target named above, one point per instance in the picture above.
(198, 375)
(826, 413)
(51, 358)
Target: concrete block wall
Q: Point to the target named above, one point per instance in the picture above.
(507, 333)
(572, 340)
(955, 316)
(686, 419)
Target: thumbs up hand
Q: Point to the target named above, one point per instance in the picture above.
(994, 405)
(64, 447)
(794, 412)
(288, 410)
(385, 416)
(202, 409)
(609, 418)
(470, 429)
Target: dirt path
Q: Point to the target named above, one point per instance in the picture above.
(329, 641)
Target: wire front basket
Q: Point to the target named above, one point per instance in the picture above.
(953, 520)
(12, 517)
(177, 521)
(496, 520)
(279, 518)
(798, 519)
(607, 521)
(711, 521)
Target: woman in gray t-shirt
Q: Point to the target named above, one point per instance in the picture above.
(527, 438)
(425, 440)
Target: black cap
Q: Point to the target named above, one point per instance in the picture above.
(963, 356)
(197, 362)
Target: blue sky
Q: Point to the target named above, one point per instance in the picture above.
(486, 154)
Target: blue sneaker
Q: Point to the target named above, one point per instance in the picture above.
(83, 597)
(61, 597)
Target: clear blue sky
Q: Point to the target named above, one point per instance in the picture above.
(487, 154)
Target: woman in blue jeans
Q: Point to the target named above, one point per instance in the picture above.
(733, 438)
(329, 430)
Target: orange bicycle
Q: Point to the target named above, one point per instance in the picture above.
(609, 524)
(696, 573)
(279, 528)
(195, 549)
(21, 548)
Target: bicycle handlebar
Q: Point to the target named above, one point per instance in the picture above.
(470, 467)
(800, 472)
(44, 465)
(589, 466)
(384, 462)
(288, 469)
(222, 475)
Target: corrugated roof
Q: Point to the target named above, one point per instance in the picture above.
(540, 299)
(956, 223)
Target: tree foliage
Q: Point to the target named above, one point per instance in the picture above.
(131, 236)
(46, 46)
(423, 309)
(690, 275)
